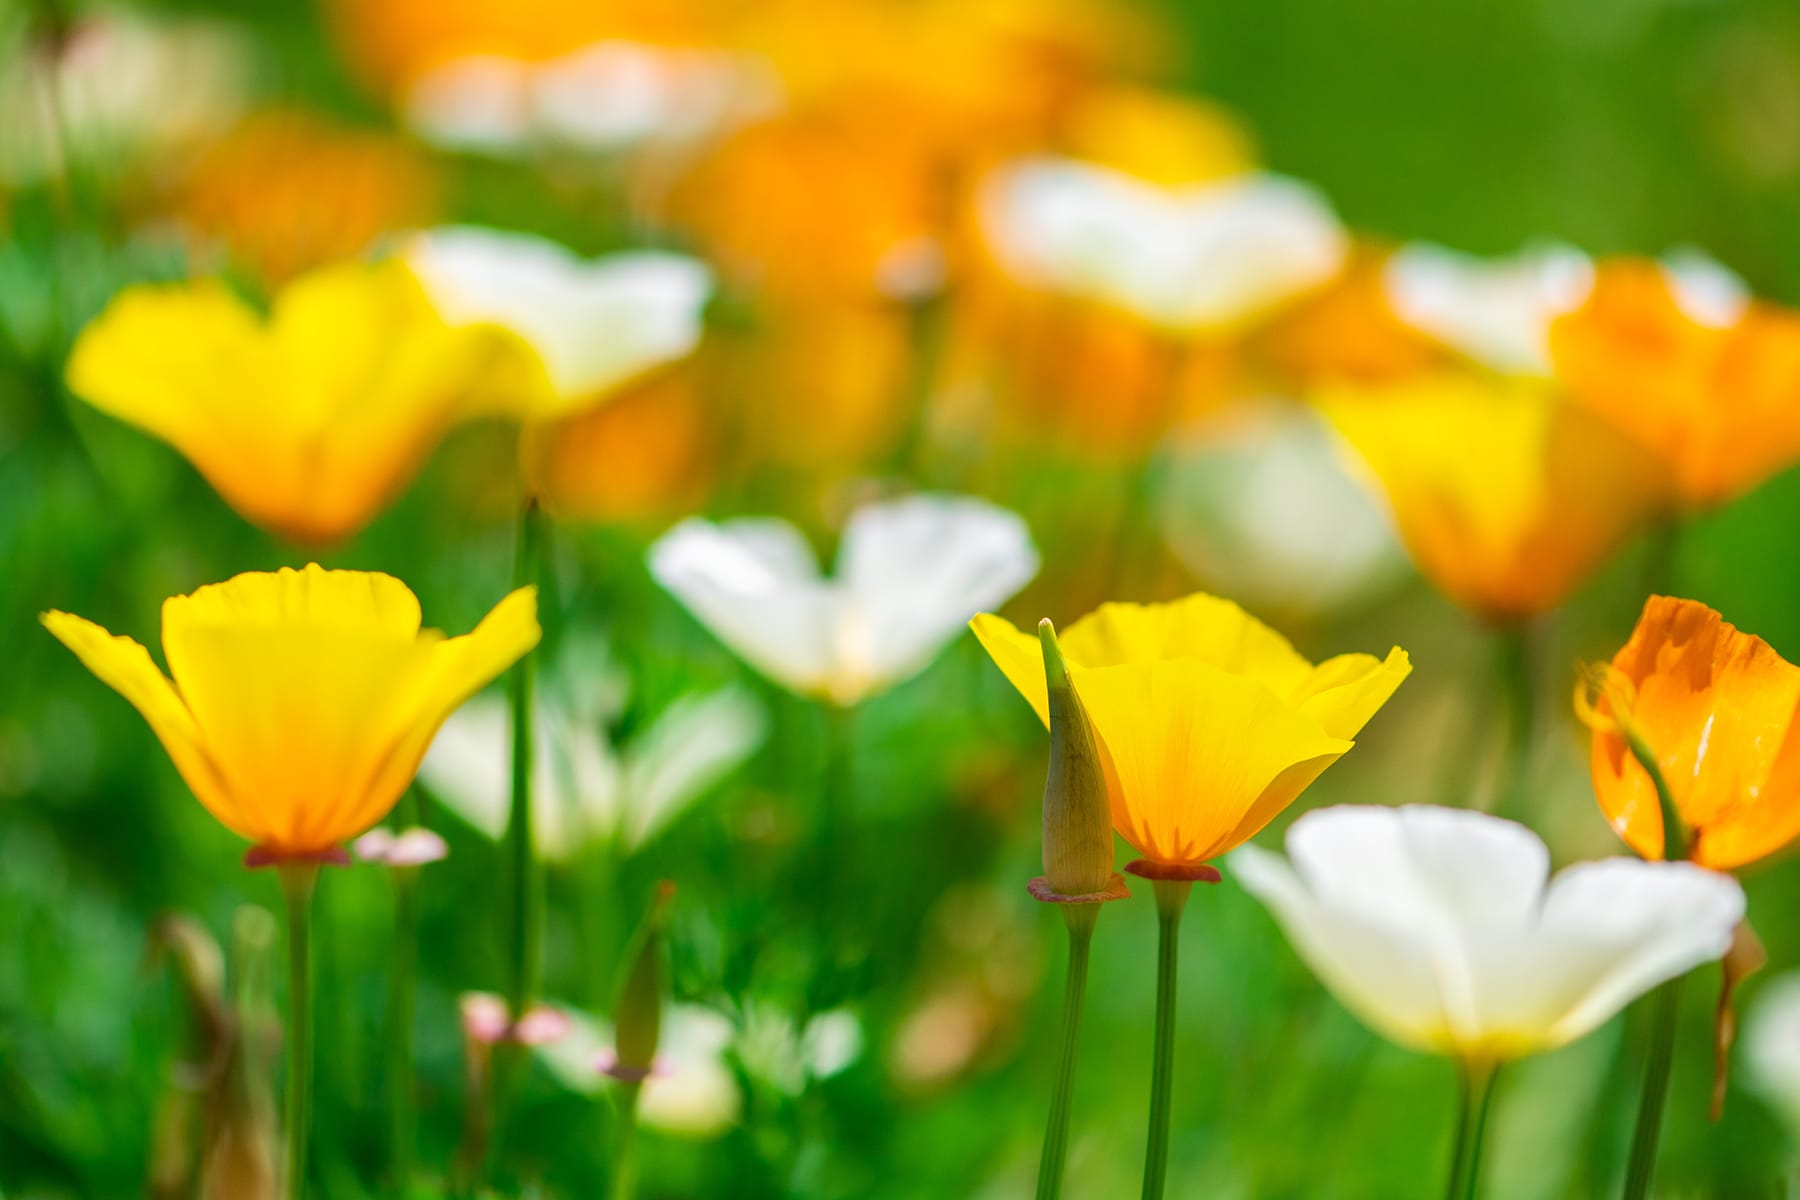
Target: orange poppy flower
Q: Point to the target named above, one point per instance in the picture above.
(1718, 710)
(287, 191)
(1710, 388)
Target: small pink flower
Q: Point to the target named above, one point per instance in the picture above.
(409, 848)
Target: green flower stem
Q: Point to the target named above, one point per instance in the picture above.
(402, 987)
(1667, 1004)
(837, 796)
(1171, 899)
(298, 881)
(1477, 1092)
(525, 903)
(1517, 682)
(1080, 919)
(624, 1177)
(1648, 1131)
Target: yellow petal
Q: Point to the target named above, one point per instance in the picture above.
(125, 666)
(1200, 627)
(1195, 748)
(317, 693)
(312, 596)
(307, 422)
(1506, 496)
(455, 671)
(1019, 658)
(1342, 693)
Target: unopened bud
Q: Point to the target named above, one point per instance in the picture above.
(637, 1018)
(1078, 833)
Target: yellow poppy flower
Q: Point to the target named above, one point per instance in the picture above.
(1210, 723)
(1706, 381)
(1506, 495)
(299, 703)
(309, 420)
(1720, 711)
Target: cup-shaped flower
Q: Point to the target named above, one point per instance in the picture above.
(1199, 258)
(909, 573)
(1496, 312)
(1209, 721)
(1442, 929)
(299, 703)
(1506, 495)
(595, 325)
(309, 420)
(1695, 371)
(1719, 710)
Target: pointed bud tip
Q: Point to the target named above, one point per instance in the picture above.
(1056, 668)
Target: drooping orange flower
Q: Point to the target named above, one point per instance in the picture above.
(1720, 711)
(300, 703)
(288, 191)
(1711, 387)
(1506, 495)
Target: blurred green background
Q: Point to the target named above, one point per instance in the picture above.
(1617, 125)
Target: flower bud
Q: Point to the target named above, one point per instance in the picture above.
(637, 1018)
(1078, 834)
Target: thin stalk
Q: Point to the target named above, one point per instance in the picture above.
(1662, 555)
(1513, 669)
(624, 1178)
(1080, 920)
(1171, 899)
(297, 884)
(525, 903)
(1644, 1137)
(402, 989)
(1476, 1081)
(836, 798)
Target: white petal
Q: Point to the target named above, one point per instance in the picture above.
(694, 743)
(1495, 311)
(1625, 926)
(1707, 290)
(596, 324)
(755, 584)
(613, 95)
(915, 570)
(1514, 975)
(469, 769)
(479, 103)
(1380, 973)
(1189, 258)
(1259, 506)
(1771, 1045)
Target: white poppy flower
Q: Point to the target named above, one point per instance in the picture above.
(608, 98)
(1495, 311)
(1771, 1047)
(125, 90)
(596, 324)
(910, 574)
(1258, 504)
(584, 790)
(1441, 928)
(1200, 257)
